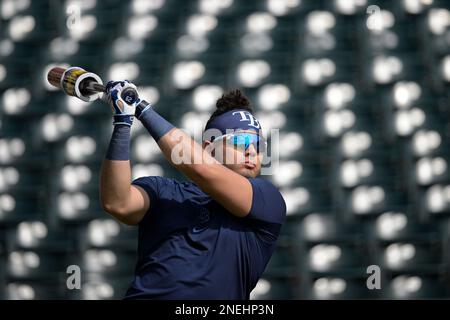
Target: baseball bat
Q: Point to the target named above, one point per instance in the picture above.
(85, 85)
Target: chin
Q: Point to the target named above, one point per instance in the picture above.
(244, 171)
(250, 173)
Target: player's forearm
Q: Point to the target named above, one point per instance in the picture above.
(115, 177)
(228, 188)
(185, 154)
(179, 149)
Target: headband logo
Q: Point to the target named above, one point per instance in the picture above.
(247, 116)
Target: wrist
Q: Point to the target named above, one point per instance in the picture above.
(125, 119)
(143, 106)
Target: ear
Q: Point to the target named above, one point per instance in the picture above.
(207, 144)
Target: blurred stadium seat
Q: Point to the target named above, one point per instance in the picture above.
(360, 98)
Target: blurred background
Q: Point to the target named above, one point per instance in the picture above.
(358, 89)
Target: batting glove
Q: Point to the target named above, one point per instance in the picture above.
(123, 111)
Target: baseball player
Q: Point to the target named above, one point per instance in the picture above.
(210, 237)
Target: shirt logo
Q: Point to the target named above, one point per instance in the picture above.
(203, 220)
(199, 229)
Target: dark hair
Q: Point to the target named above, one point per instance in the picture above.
(231, 100)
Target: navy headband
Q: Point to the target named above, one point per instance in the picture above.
(233, 120)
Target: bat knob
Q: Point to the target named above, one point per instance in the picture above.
(129, 95)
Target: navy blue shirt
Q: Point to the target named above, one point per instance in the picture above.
(190, 247)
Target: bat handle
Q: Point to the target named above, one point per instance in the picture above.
(98, 87)
(90, 86)
(129, 95)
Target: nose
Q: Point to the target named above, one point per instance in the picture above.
(251, 151)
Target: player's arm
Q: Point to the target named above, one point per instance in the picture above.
(125, 202)
(231, 190)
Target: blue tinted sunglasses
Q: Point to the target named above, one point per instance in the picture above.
(243, 140)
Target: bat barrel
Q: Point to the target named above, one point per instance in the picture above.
(54, 76)
(85, 85)
(77, 82)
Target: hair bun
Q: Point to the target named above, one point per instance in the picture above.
(232, 100)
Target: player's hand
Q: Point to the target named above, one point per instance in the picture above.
(123, 111)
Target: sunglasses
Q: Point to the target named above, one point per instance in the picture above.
(243, 140)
